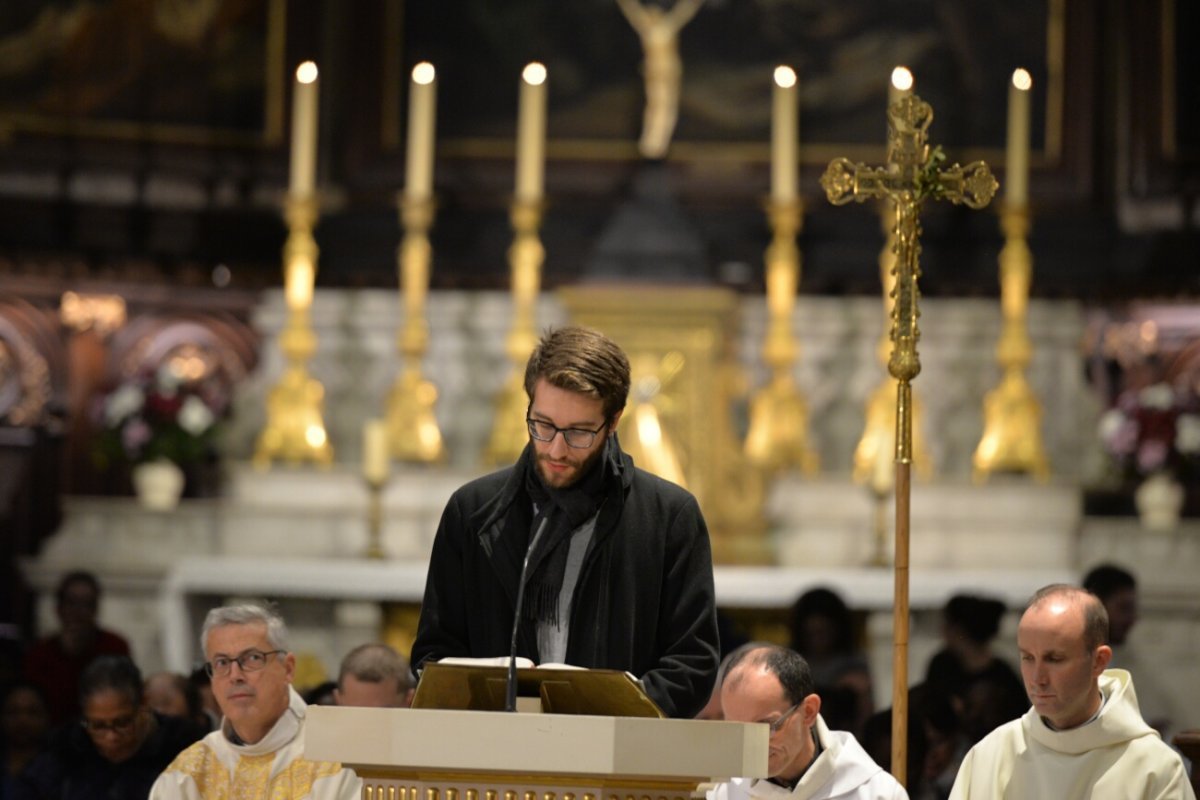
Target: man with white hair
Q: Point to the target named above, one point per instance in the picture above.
(258, 749)
(1084, 735)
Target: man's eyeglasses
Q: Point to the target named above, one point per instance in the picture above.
(579, 438)
(778, 724)
(118, 725)
(249, 661)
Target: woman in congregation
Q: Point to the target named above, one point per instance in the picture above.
(117, 748)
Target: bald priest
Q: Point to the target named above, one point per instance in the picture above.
(1084, 736)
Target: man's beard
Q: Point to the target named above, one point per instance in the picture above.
(576, 468)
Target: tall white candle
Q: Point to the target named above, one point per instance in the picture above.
(304, 131)
(531, 132)
(422, 101)
(900, 85)
(1016, 161)
(784, 135)
(375, 451)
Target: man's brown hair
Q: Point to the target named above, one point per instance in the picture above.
(581, 360)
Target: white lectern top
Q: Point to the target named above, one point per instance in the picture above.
(535, 744)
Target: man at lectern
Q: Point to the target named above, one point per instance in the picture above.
(610, 565)
(258, 751)
(805, 760)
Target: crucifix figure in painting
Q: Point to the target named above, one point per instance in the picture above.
(662, 68)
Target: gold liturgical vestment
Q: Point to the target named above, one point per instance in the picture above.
(274, 768)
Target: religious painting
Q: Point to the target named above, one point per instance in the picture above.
(602, 66)
(170, 70)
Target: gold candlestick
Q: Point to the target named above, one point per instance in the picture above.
(295, 429)
(375, 518)
(509, 434)
(413, 430)
(1012, 415)
(778, 434)
(376, 470)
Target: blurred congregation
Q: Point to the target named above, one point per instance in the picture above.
(79, 719)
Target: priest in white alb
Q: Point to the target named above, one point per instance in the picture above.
(1084, 737)
(805, 760)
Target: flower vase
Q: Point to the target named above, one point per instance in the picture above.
(1159, 501)
(158, 484)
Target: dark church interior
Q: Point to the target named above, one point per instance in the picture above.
(144, 172)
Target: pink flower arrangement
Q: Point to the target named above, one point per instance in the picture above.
(160, 416)
(1153, 429)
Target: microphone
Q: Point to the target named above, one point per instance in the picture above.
(510, 703)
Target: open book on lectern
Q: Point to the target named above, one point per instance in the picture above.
(481, 684)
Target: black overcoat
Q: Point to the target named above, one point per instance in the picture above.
(644, 602)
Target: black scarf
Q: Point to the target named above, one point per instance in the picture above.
(563, 510)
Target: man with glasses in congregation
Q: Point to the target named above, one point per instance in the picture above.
(805, 760)
(617, 561)
(258, 749)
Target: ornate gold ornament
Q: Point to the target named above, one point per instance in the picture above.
(295, 430)
(778, 434)
(103, 313)
(525, 258)
(413, 431)
(913, 174)
(874, 454)
(1012, 415)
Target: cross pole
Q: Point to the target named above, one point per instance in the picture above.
(912, 175)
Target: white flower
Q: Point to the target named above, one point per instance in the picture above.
(1187, 434)
(1110, 424)
(194, 416)
(1160, 396)
(123, 403)
(167, 380)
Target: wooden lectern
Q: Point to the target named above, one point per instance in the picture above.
(452, 754)
(599, 692)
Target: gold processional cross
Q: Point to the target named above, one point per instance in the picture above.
(912, 175)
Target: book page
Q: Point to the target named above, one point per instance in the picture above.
(557, 665)
(492, 661)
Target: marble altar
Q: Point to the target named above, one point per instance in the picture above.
(298, 534)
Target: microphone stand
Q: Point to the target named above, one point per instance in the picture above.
(510, 703)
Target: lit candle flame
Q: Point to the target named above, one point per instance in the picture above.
(424, 73)
(306, 72)
(534, 73)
